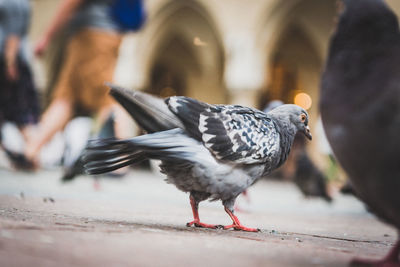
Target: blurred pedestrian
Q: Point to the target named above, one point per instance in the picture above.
(18, 97)
(95, 33)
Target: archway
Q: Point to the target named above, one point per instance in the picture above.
(187, 56)
(294, 70)
(295, 50)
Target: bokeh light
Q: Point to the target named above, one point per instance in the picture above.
(303, 100)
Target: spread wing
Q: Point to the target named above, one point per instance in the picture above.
(231, 133)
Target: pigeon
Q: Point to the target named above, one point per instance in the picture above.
(212, 152)
(360, 108)
(305, 175)
(347, 189)
(302, 171)
(73, 167)
(309, 179)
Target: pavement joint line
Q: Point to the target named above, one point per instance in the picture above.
(340, 239)
(143, 226)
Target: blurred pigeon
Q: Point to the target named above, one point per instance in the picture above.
(347, 189)
(76, 135)
(74, 151)
(72, 159)
(309, 179)
(300, 168)
(212, 151)
(360, 107)
(272, 104)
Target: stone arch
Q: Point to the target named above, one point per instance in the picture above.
(294, 67)
(294, 42)
(184, 53)
(299, 30)
(313, 16)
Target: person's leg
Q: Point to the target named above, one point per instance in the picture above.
(53, 120)
(123, 123)
(27, 131)
(62, 106)
(26, 100)
(100, 57)
(124, 126)
(100, 117)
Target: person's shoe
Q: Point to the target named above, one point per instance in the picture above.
(20, 161)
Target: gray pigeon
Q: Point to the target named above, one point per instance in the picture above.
(212, 151)
(307, 177)
(360, 107)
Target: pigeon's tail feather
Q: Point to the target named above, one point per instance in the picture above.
(149, 111)
(107, 155)
(110, 154)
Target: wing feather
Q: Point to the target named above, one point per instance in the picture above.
(231, 133)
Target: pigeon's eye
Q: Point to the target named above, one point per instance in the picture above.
(303, 117)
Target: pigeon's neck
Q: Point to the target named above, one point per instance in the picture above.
(363, 55)
(287, 132)
(366, 23)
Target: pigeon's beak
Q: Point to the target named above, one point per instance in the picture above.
(307, 132)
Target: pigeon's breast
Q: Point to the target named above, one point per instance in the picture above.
(364, 153)
(221, 181)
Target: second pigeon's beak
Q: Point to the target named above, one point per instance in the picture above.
(307, 132)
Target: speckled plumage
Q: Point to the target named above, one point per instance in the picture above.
(233, 133)
(216, 151)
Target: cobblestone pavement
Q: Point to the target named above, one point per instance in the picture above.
(140, 221)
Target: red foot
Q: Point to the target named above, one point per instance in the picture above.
(197, 223)
(236, 223)
(241, 228)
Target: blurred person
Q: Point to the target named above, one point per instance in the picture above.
(18, 97)
(95, 29)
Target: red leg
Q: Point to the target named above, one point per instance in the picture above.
(236, 223)
(196, 222)
(391, 260)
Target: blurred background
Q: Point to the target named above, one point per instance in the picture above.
(226, 51)
(218, 51)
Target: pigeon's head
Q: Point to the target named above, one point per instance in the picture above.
(366, 21)
(296, 115)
